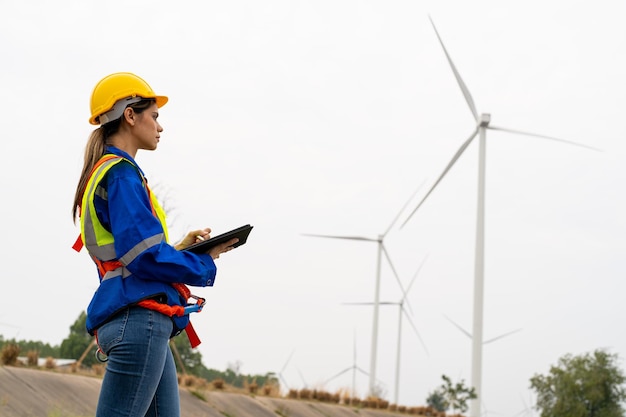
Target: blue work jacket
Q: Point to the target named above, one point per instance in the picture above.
(123, 208)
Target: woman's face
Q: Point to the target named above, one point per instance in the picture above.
(147, 129)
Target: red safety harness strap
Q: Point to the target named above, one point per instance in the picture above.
(179, 311)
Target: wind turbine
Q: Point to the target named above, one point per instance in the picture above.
(381, 251)
(280, 374)
(352, 368)
(401, 312)
(528, 409)
(482, 124)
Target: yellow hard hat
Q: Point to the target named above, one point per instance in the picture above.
(115, 92)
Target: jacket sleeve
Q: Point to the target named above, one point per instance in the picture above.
(139, 237)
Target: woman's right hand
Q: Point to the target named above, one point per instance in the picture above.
(192, 237)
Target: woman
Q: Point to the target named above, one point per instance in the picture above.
(139, 304)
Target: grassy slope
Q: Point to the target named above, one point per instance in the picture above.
(36, 393)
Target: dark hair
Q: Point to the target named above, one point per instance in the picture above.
(95, 149)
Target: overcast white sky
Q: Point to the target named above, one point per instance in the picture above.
(324, 117)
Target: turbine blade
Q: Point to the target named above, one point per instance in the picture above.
(416, 332)
(339, 374)
(406, 293)
(408, 304)
(404, 208)
(395, 273)
(464, 89)
(468, 334)
(288, 359)
(362, 371)
(457, 155)
(283, 380)
(414, 277)
(501, 336)
(519, 132)
(302, 378)
(369, 239)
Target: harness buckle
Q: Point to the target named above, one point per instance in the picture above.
(195, 308)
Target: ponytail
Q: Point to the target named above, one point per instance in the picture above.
(93, 152)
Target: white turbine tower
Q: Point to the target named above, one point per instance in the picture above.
(401, 312)
(482, 124)
(381, 251)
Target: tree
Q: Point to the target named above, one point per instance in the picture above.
(589, 385)
(449, 395)
(77, 341)
(436, 400)
(192, 359)
(43, 349)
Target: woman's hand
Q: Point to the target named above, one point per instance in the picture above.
(192, 237)
(216, 251)
(196, 236)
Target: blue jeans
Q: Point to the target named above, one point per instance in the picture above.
(140, 378)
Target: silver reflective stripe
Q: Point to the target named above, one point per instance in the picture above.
(102, 193)
(122, 271)
(140, 247)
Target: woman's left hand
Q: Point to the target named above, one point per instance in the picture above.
(216, 251)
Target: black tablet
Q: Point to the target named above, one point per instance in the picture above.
(240, 233)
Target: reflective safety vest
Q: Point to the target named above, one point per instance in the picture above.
(100, 243)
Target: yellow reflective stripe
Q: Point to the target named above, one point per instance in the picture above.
(98, 240)
(160, 214)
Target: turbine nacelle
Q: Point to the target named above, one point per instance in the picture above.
(484, 120)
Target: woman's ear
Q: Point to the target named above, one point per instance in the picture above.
(130, 116)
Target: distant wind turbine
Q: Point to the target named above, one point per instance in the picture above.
(280, 374)
(482, 124)
(402, 311)
(381, 250)
(528, 408)
(352, 368)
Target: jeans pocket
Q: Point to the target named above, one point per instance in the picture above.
(112, 332)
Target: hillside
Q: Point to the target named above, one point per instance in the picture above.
(35, 393)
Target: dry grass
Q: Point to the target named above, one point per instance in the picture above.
(32, 358)
(219, 384)
(251, 387)
(271, 390)
(9, 354)
(51, 363)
